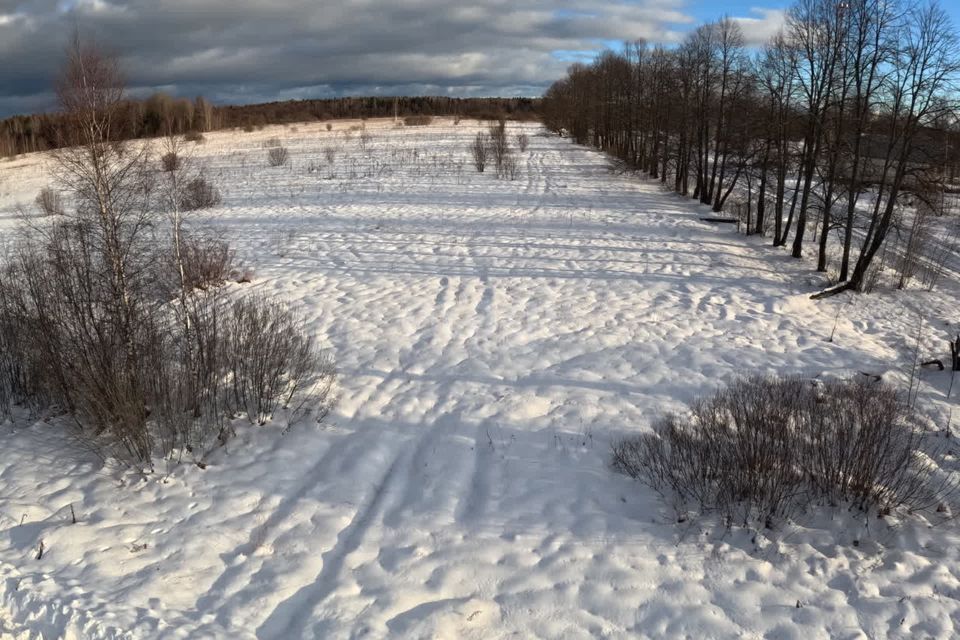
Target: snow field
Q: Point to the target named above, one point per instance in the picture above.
(492, 338)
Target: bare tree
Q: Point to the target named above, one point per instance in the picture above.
(922, 89)
(103, 323)
(112, 187)
(499, 146)
(844, 101)
(775, 78)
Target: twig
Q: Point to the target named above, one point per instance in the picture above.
(915, 366)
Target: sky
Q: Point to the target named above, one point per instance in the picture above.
(241, 51)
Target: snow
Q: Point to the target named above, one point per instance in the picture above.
(492, 338)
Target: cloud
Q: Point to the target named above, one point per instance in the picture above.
(762, 25)
(241, 50)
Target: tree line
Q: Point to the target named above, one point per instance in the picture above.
(377, 107)
(158, 115)
(162, 115)
(845, 115)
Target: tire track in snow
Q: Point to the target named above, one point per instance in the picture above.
(405, 485)
(450, 330)
(291, 617)
(417, 488)
(398, 489)
(346, 455)
(473, 505)
(535, 178)
(412, 359)
(461, 321)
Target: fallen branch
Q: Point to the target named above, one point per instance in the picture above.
(831, 291)
(720, 220)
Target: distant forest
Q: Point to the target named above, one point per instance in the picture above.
(161, 114)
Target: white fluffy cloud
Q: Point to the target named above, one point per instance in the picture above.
(762, 24)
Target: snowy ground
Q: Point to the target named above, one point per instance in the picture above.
(492, 337)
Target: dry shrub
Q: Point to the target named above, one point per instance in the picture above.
(509, 168)
(91, 327)
(365, 138)
(207, 261)
(499, 147)
(193, 365)
(80, 356)
(170, 162)
(49, 202)
(270, 358)
(21, 366)
(330, 154)
(418, 121)
(523, 141)
(270, 143)
(479, 149)
(329, 127)
(249, 128)
(278, 156)
(250, 357)
(198, 193)
(767, 448)
(194, 136)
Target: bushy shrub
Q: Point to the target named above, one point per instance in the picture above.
(418, 121)
(509, 168)
(189, 368)
(766, 448)
(480, 149)
(80, 354)
(270, 357)
(49, 202)
(170, 161)
(250, 357)
(198, 193)
(278, 156)
(499, 146)
(101, 326)
(207, 261)
(20, 364)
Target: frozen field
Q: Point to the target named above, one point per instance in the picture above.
(492, 338)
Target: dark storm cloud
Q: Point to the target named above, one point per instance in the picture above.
(246, 50)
